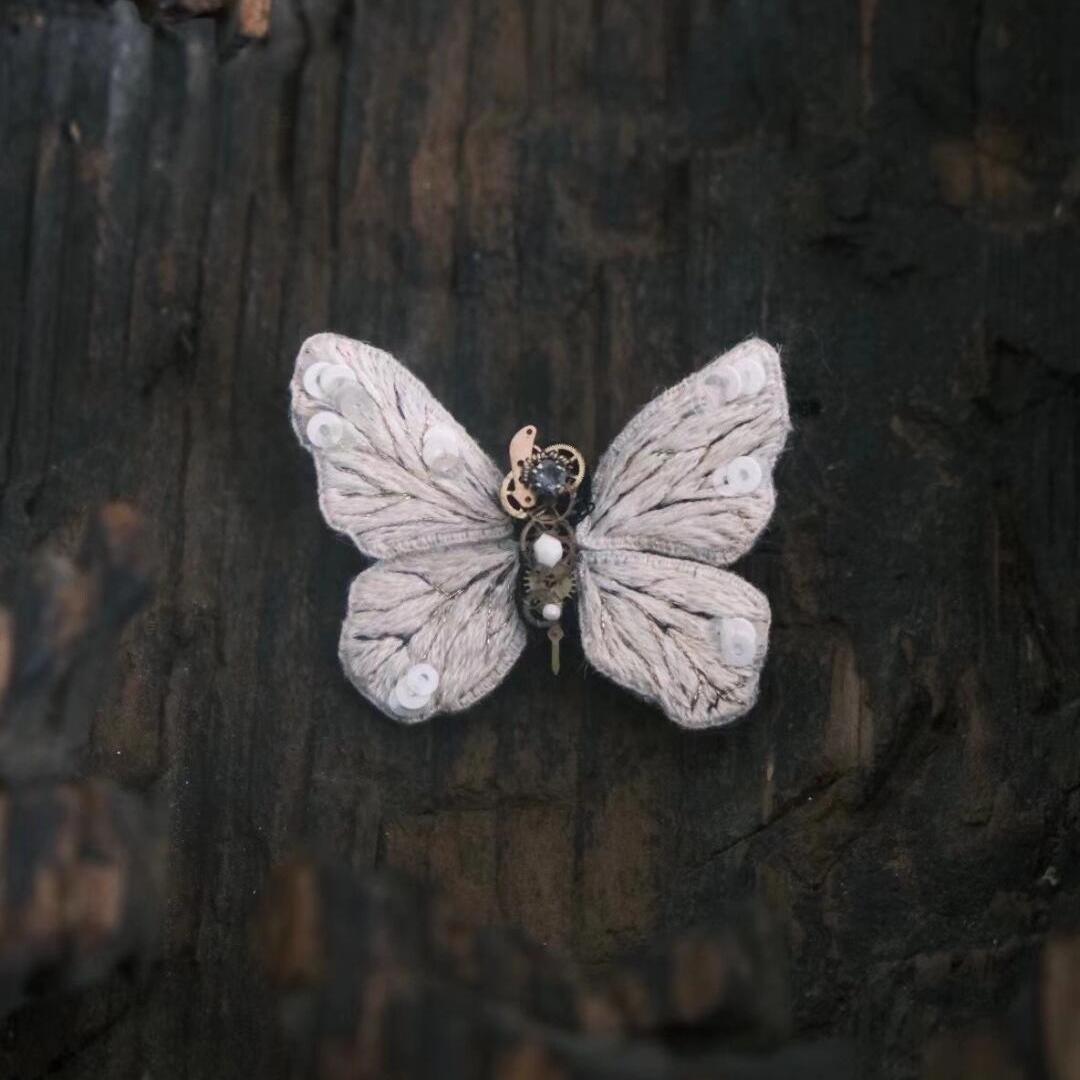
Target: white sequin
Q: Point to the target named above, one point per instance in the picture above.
(441, 450)
(752, 374)
(737, 639)
(726, 381)
(401, 708)
(422, 679)
(325, 430)
(739, 476)
(322, 380)
(311, 379)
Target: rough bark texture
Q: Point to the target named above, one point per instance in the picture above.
(550, 210)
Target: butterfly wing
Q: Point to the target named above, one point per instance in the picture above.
(452, 613)
(684, 490)
(397, 473)
(691, 475)
(684, 635)
(434, 625)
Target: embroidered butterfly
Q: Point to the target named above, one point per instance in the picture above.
(439, 619)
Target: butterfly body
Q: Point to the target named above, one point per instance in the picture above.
(542, 489)
(468, 558)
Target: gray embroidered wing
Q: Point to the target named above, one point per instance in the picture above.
(691, 474)
(396, 471)
(434, 626)
(685, 636)
(684, 490)
(433, 632)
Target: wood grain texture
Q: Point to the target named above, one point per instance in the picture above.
(80, 896)
(550, 211)
(379, 978)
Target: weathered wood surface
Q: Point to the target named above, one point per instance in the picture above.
(239, 21)
(79, 868)
(380, 978)
(551, 210)
(60, 621)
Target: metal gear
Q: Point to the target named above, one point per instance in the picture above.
(556, 584)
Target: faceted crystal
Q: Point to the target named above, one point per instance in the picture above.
(548, 479)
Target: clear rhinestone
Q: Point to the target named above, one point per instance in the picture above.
(548, 479)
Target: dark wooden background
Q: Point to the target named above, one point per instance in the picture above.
(550, 209)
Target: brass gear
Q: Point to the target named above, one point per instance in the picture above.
(556, 584)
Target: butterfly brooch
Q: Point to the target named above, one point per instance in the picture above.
(468, 557)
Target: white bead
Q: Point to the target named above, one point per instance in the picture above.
(727, 381)
(752, 373)
(739, 476)
(552, 612)
(548, 550)
(441, 450)
(738, 640)
(325, 430)
(422, 679)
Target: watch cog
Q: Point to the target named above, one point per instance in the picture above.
(556, 584)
